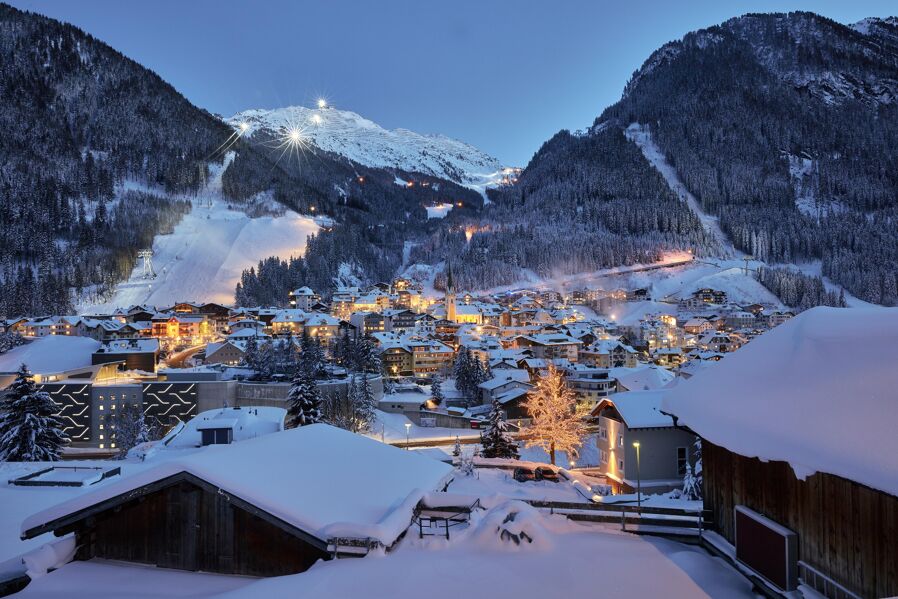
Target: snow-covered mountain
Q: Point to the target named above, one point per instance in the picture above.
(363, 141)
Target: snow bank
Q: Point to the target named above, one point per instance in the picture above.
(323, 480)
(49, 557)
(817, 392)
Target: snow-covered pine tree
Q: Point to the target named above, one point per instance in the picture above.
(304, 400)
(311, 356)
(554, 423)
(30, 431)
(697, 471)
(495, 441)
(691, 488)
(251, 353)
(436, 390)
(367, 405)
(456, 451)
(130, 429)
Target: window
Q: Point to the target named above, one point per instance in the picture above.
(620, 465)
(603, 456)
(682, 460)
(603, 433)
(620, 440)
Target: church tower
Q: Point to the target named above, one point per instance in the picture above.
(450, 294)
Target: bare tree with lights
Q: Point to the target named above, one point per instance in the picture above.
(554, 422)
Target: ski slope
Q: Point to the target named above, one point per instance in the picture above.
(642, 137)
(203, 258)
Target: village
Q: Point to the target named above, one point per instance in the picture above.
(145, 396)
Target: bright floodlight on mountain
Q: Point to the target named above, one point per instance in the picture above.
(244, 126)
(295, 135)
(322, 103)
(316, 119)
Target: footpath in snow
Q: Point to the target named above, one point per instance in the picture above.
(640, 135)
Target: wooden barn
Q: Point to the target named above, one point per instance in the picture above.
(269, 506)
(800, 452)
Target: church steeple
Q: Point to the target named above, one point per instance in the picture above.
(450, 293)
(450, 284)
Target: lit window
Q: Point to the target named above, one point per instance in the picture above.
(102, 446)
(101, 436)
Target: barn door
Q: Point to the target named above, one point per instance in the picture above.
(181, 527)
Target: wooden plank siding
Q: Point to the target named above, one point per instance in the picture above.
(187, 527)
(846, 530)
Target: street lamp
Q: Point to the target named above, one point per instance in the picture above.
(408, 426)
(638, 479)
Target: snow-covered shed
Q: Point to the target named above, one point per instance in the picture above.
(800, 427)
(264, 507)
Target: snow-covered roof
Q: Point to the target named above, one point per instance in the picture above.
(125, 346)
(645, 377)
(818, 391)
(245, 423)
(51, 354)
(518, 375)
(323, 480)
(641, 409)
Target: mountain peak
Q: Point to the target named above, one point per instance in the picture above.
(361, 140)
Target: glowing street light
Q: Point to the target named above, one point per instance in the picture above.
(408, 426)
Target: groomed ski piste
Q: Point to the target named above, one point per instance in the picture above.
(202, 259)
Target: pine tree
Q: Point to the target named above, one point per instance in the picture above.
(30, 431)
(436, 391)
(366, 406)
(304, 400)
(131, 429)
(697, 471)
(495, 441)
(456, 451)
(691, 488)
(554, 423)
(251, 353)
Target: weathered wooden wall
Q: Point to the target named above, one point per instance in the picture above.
(186, 527)
(845, 530)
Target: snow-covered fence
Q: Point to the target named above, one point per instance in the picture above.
(669, 521)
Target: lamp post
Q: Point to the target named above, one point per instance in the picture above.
(638, 479)
(408, 426)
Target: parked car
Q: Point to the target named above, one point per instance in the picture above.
(522, 475)
(546, 473)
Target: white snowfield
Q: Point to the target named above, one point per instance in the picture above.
(323, 480)
(203, 258)
(365, 142)
(817, 392)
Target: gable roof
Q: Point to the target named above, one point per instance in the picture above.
(363, 488)
(818, 391)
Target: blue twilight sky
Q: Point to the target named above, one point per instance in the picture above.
(502, 75)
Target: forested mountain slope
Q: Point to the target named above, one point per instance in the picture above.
(79, 119)
(785, 126)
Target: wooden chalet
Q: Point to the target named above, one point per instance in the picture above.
(268, 506)
(800, 452)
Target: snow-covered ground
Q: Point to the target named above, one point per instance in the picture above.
(348, 134)
(642, 137)
(390, 428)
(203, 258)
(564, 559)
(438, 211)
